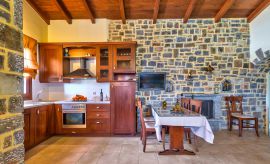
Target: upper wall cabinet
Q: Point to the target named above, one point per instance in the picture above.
(50, 63)
(104, 63)
(124, 58)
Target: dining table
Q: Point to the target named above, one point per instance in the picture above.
(177, 121)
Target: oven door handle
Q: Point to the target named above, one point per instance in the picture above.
(73, 111)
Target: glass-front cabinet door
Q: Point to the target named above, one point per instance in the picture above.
(104, 63)
(124, 59)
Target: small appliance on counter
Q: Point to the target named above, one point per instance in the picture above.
(79, 98)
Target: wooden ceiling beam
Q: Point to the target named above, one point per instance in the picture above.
(122, 11)
(63, 11)
(189, 10)
(156, 9)
(258, 10)
(39, 11)
(223, 10)
(89, 11)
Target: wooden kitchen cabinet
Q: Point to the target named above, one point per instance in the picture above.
(43, 123)
(124, 58)
(104, 63)
(29, 128)
(123, 112)
(58, 118)
(38, 125)
(50, 63)
(98, 119)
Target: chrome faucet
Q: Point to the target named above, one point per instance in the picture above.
(38, 95)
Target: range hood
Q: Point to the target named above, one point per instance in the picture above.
(81, 73)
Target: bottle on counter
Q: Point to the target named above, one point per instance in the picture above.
(101, 95)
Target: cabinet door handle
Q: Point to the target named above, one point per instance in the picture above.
(114, 67)
(38, 111)
(98, 122)
(98, 115)
(98, 107)
(73, 132)
(58, 109)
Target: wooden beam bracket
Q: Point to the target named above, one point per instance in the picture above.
(223, 10)
(89, 11)
(189, 10)
(156, 9)
(122, 11)
(258, 10)
(63, 10)
(39, 11)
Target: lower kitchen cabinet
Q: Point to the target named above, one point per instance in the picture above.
(29, 128)
(123, 111)
(38, 125)
(98, 119)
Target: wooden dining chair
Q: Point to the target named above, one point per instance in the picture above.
(185, 103)
(195, 106)
(235, 112)
(147, 127)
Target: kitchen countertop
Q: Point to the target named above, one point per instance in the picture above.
(31, 104)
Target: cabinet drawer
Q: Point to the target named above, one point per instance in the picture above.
(98, 125)
(97, 114)
(98, 107)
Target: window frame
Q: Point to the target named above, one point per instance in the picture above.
(28, 94)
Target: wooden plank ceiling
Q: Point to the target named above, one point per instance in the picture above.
(147, 9)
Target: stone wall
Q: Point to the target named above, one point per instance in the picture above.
(11, 69)
(176, 48)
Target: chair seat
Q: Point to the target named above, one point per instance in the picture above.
(149, 119)
(150, 126)
(239, 115)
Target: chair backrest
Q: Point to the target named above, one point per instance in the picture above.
(196, 105)
(234, 104)
(185, 103)
(139, 106)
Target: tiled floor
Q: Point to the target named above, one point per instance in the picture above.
(228, 149)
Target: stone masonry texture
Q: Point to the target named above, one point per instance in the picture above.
(11, 82)
(176, 48)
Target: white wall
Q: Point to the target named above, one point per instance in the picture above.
(260, 33)
(79, 31)
(33, 25)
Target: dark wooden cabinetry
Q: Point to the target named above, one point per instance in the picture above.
(29, 128)
(112, 60)
(58, 118)
(38, 125)
(124, 58)
(98, 118)
(104, 63)
(50, 63)
(123, 110)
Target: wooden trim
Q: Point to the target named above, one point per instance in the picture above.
(223, 10)
(122, 11)
(39, 11)
(258, 10)
(89, 11)
(63, 10)
(189, 10)
(156, 9)
(28, 95)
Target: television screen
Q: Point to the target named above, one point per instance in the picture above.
(153, 80)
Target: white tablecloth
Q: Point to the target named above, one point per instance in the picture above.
(199, 125)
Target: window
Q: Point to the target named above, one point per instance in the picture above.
(27, 88)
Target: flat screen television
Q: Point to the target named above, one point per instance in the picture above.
(152, 80)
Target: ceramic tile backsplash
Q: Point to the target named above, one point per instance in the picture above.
(83, 87)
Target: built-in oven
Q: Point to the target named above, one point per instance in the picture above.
(74, 115)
